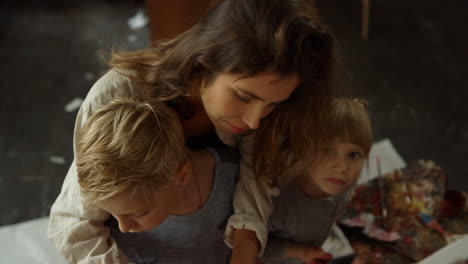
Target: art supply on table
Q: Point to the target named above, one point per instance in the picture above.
(433, 224)
(405, 190)
(381, 189)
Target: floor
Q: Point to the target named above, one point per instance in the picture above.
(412, 71)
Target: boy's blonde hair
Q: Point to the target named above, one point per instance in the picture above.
(129, 146)
(350, 122)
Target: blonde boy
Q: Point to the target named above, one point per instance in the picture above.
(308, 206)
(166, 205)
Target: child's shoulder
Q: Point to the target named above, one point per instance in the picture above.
(224, 154)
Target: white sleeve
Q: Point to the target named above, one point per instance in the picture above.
(80, 232)
(252, 203)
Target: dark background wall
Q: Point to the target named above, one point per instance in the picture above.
(412, 70)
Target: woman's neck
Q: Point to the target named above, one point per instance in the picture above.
(199, 123)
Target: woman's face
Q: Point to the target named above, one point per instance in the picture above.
(236, 104)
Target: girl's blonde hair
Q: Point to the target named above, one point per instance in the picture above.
(350, 122)
(248, 37)
(129, 146)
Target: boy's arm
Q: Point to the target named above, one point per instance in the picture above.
(78, 232)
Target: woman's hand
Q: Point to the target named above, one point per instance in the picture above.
(245, 247)
(309, 255)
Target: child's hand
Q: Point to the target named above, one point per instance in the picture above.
(309, 255)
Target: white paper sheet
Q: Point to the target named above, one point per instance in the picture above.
(73, 104)
(138, 21)
(449, 254)
(337, 244)
(27, 242)
(390, 160)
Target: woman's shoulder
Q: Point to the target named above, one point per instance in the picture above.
(114, 84)
(111, 85)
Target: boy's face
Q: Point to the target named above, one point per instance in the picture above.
(137, 214)
(335, 170)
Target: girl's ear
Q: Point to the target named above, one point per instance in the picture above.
(184, 174)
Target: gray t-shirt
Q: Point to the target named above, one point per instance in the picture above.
(298, 218)
(194, 238)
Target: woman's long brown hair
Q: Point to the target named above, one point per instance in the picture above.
(248, 37)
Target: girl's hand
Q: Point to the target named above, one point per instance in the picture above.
(309, 255)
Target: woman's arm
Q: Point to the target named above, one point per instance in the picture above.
(245, 247)
(246, 231)
(79, 232)
(252, 209)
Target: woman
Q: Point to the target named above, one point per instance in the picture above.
(260, 65)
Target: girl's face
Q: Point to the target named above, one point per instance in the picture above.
(336, 169)
(236, 104)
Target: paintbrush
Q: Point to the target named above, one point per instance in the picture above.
(381, 188)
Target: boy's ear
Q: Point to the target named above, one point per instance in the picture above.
(184, 174)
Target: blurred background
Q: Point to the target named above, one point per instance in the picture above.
(412, 69)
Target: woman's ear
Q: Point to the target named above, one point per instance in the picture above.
(203, 82)
(184, 174)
